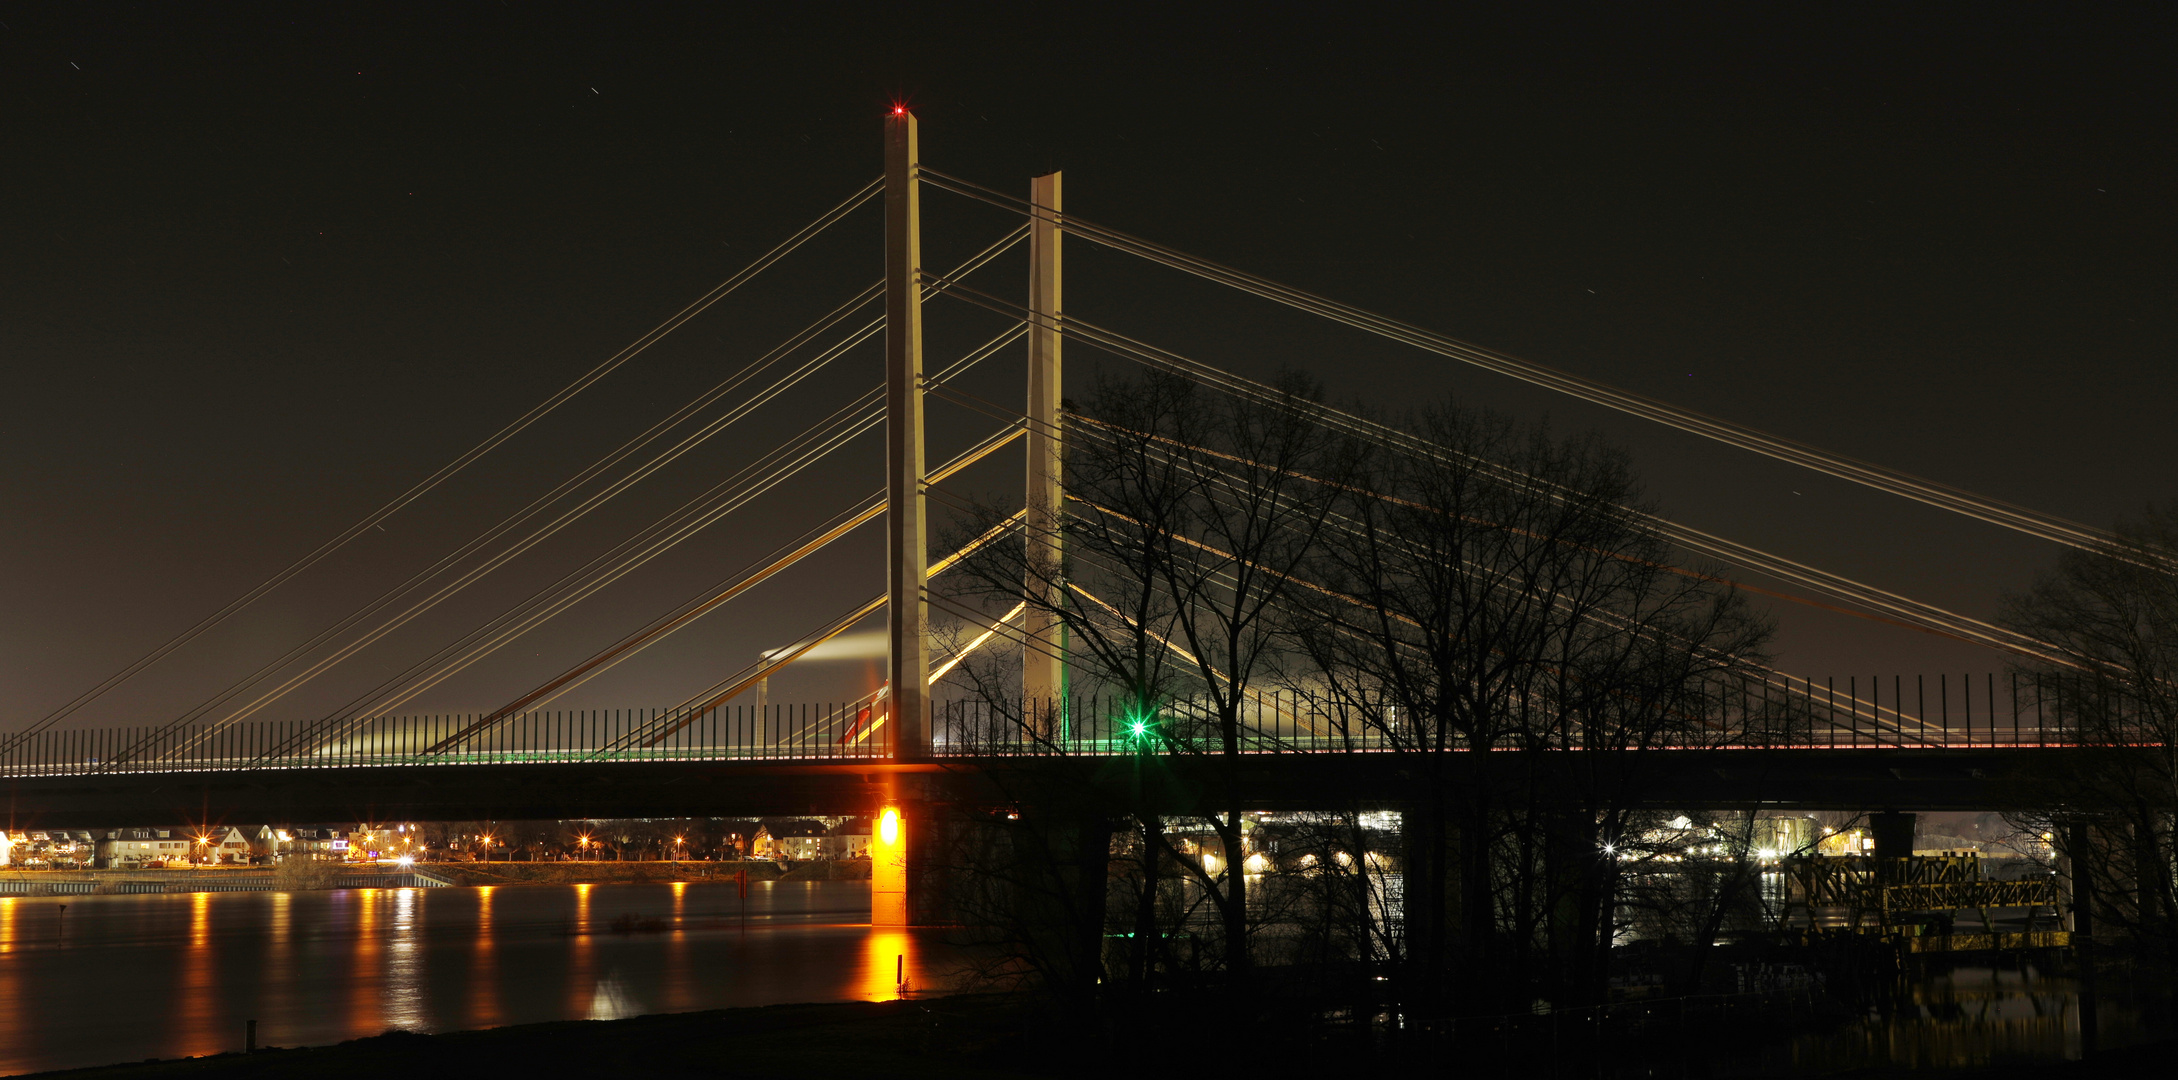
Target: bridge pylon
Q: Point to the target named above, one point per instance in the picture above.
(907, 552)
(1043, 672)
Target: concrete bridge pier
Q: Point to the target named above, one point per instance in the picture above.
(906, 860)
(1574, 872)
(2076, 880)
(889, 866)
(1892, 832)
(1053, 865)
(1434, 912)
(908, 854)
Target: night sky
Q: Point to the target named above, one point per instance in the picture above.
(260, 270)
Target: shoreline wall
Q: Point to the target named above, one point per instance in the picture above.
(425, 876)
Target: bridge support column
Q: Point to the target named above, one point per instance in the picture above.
(1575, 876)
(909, 855)
(889, 850)
(1043, 673)
(906, 532)
(1893, 834)
(1431, 865)
(1059, 866)
(2076, 877)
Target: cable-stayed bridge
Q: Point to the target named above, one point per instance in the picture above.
(523, 758)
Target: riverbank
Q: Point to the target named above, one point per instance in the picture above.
(972, 1036)
(209, 880)
(312, 877)
(967, 1036)
(602, 873)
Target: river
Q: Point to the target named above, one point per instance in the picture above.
(89, 980)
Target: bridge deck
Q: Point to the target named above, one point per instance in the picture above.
(1805, 778)
(859, 732)
(839, 759)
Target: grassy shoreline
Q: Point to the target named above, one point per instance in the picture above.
(328, 876)
(602, 873)
(971, 1036)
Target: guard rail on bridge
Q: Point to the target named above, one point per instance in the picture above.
(1944, 714)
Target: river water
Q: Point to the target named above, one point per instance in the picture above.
(1975, 1016)
(89, 980)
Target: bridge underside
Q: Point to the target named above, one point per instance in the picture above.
(1858, 779)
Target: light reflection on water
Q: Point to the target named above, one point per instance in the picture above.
(316, 968)
(483, 967)
(196, 988)
(888, 954)
(1968, 1017)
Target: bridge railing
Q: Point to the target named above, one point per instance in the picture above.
(1947, 712)
(1856, 712)
(848, 731)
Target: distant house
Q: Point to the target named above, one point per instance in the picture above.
(45, 847)
(54, 847)
(739, 837)
(125, 849)
(791, 838)
(230, 846)
(313, 840)
(850, 839)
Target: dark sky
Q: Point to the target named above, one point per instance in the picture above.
(262, 268)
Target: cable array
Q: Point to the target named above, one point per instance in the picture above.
(751, 576)
(1219, 477)
(1685, 537)
(1934, 493)
(865, 412)
(448, 470)
(579, 510)
(733, 685)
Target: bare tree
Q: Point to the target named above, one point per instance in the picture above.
(1502, 594)
(2112, 616)
(1496, 589)
(1190, 516)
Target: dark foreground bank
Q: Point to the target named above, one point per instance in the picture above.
(964, 1036)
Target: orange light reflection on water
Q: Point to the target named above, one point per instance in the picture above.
(887, 956)
(363, 977)
(483, 995)
(279, 956)
(402, 1000)
(13, 1032)
(677, 989)
(196, 997)
(315, 968)
(581, 981)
